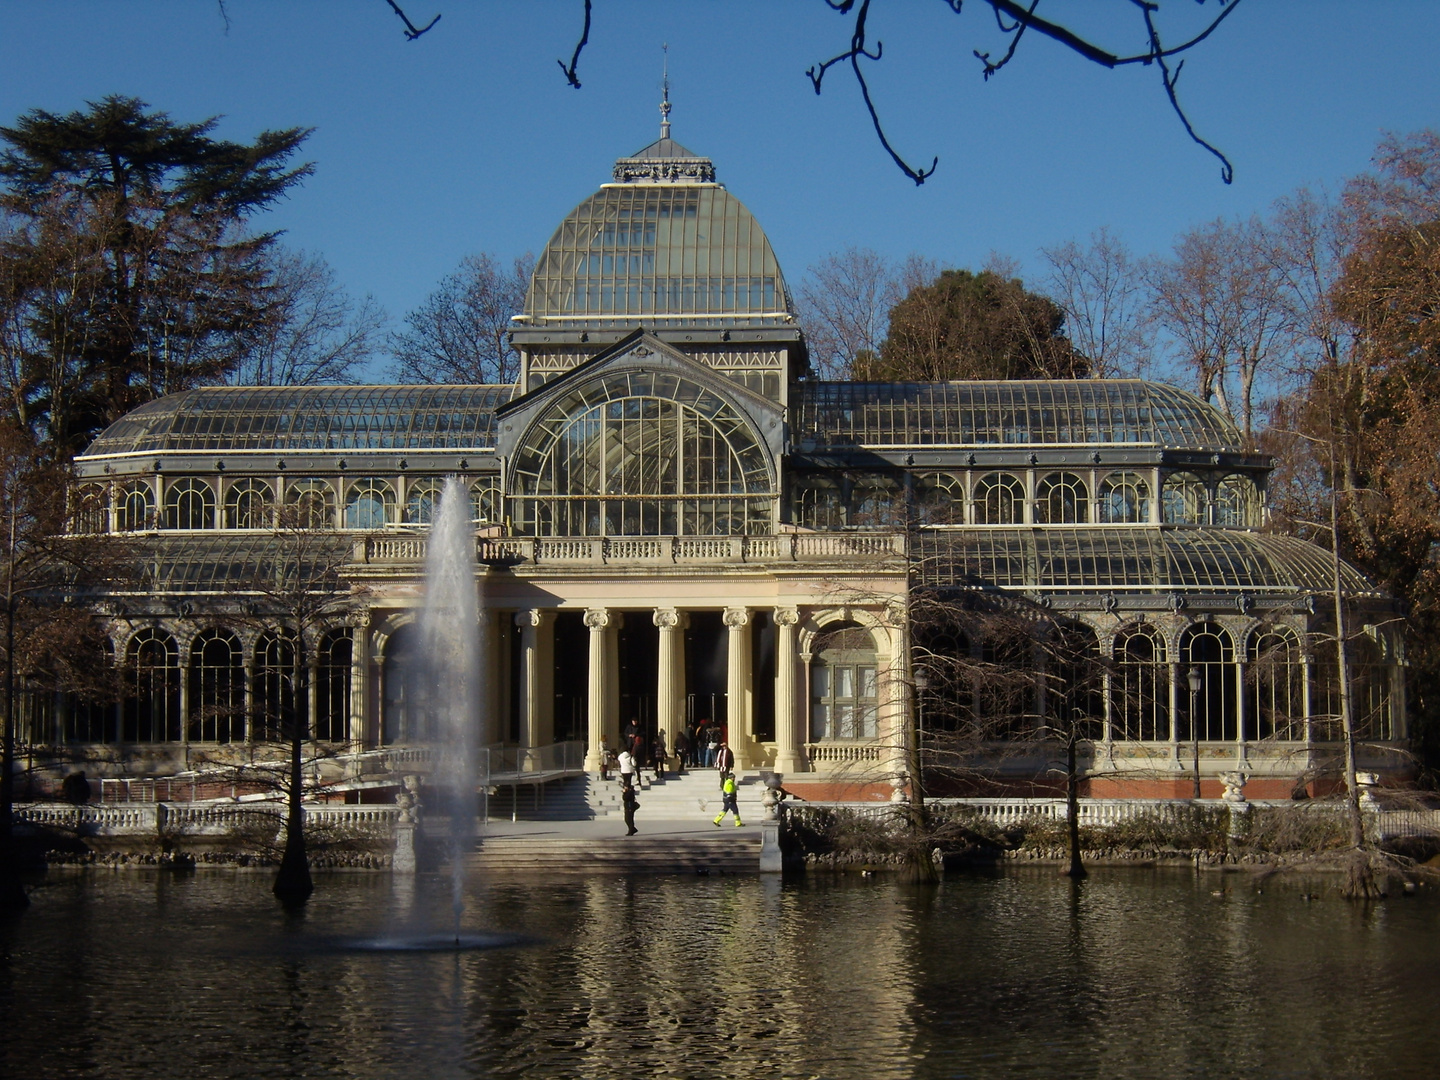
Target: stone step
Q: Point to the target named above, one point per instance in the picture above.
(722, 853)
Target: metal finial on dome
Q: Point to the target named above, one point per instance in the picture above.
(665, 100)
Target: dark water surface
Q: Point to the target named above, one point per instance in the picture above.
(1132, 974)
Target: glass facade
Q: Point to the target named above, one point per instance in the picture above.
(641, 454)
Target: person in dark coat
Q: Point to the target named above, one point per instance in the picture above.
(631, 804)
(659, 752)
(682, 751)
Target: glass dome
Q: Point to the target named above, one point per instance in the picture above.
(658, 245)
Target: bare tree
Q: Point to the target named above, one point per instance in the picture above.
(460, 333)
(1219, 300)
(844, 305)
(1102, 289)
(312, 333)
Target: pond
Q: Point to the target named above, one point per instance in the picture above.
(1134, 973)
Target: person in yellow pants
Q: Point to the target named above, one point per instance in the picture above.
(728, 802)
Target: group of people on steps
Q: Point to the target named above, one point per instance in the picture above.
(628, 762)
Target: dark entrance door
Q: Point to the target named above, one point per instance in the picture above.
(638, 645)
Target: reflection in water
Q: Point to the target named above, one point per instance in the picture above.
(1024, 973)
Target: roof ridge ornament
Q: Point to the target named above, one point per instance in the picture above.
(665, 94)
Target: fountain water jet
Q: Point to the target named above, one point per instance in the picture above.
(450, 673)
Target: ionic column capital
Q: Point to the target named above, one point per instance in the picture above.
(736, 618)
(787, 616)
(533, 618)
(597, 619)
(670, 619)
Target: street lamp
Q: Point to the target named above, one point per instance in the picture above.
(922, 685)
(1195, 681)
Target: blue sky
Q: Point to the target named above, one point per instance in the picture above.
(469, 139)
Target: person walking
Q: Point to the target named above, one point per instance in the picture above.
(729, 802)
(659, 751)
(724, 761)
(682, 751)
(626, 761)
(631, 804)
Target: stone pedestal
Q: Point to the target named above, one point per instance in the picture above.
(404, 861)
(770, 861)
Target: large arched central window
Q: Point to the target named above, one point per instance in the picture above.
(641, 454)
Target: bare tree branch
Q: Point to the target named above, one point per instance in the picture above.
(856, 51)
(410, 32)
(570, 76)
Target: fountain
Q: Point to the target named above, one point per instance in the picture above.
(448, 714)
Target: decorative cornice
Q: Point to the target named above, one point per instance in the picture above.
(653, 171)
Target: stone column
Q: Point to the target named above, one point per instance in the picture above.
(787, 746)
(737, 684)
(670, 683)
(597, 620)
(537, 702)
(360, 706)
(488, 721)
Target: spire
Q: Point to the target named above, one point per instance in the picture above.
(665, 100)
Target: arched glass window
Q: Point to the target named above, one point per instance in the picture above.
(943, 663)
(278, 707)
(1074, 681)
(1006, 681)
(486, 503)
(1062, 499)
(310, 504)
(217, 688)
(641, 453)
(1275, 681)
(1207, 648)
(369, 504)
(999, 500)
(876, 503)
(1237, 503)
(189, 504)
(89, 508)
(91, 718)
(1140, 687)
(404, 691)
(1184, 500)
(939, 499)
(134, 507)
(822, 505)
(249, 504)
(151, 711)
(1374, 717)
(844, 686)
(1124, 499)
(332, 686)
(422, 501)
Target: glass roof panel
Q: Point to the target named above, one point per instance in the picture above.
(1033, 412)
(1145, 560)
(658, 249)
(220, 418)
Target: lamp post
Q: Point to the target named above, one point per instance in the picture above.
(922, 685)
(1195, 681)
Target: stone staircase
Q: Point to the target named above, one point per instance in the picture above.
(733, 851)
(690, 796)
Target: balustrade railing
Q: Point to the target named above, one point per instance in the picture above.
(648, 550)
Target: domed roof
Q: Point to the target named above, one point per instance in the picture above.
(663, 241)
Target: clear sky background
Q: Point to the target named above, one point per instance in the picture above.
(469, 139)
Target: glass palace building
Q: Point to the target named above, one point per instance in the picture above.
(676, 524)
